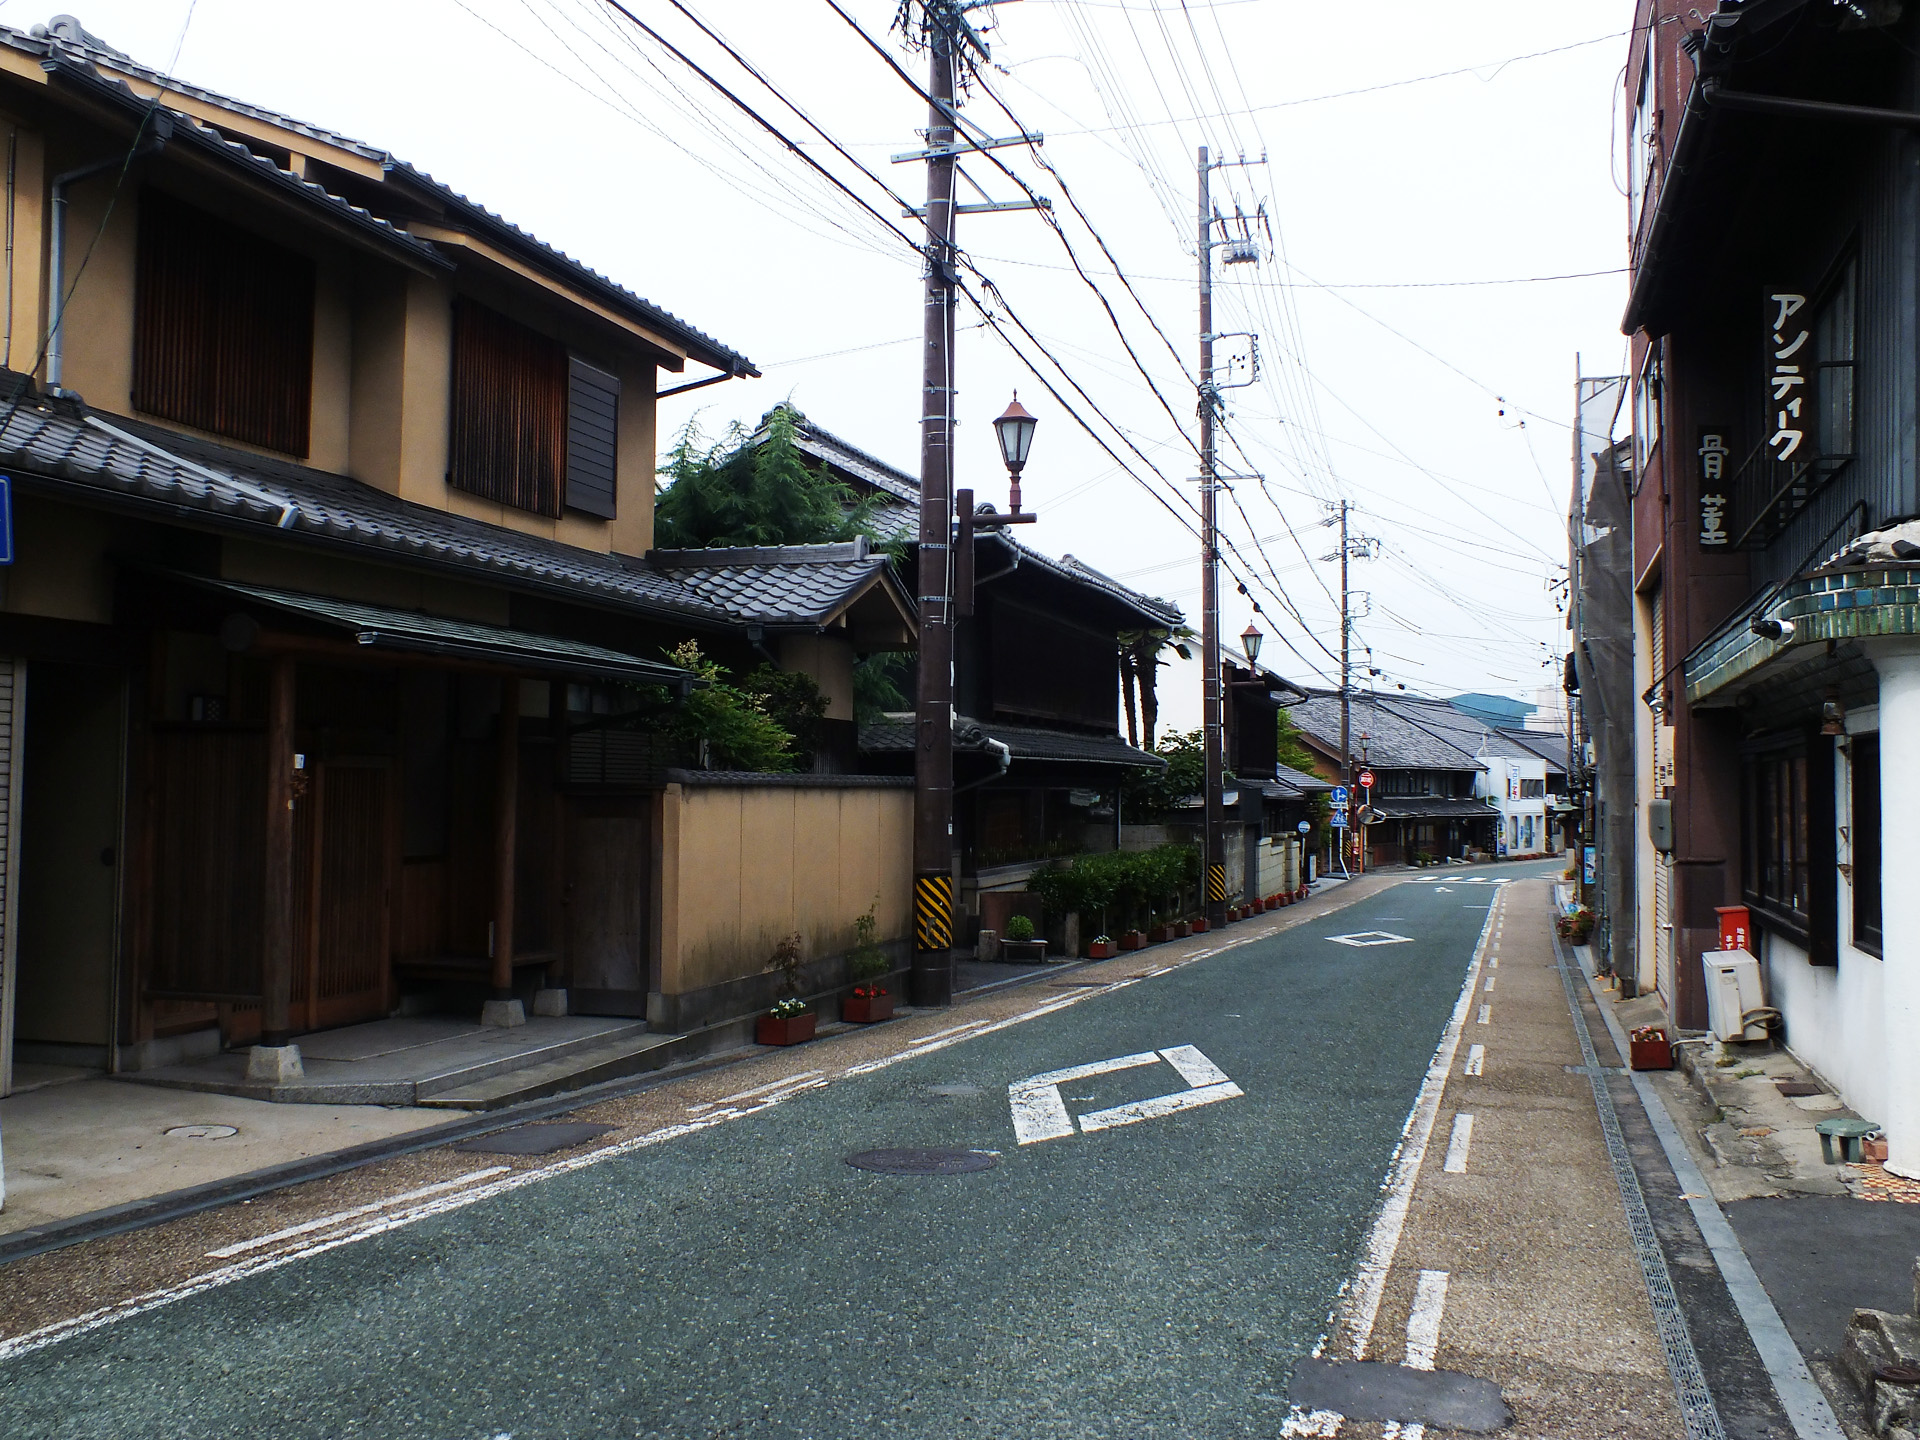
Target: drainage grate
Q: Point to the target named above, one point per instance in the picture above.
(960, 1091)
(533, 1139)
(1791, 1088)
(924, 1162)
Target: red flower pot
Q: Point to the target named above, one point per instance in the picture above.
(1199, 927)
(1181, 930)
(1101, 950)
(865, 1009)
(785, 1029)
(1133, 940)
(1159, 935)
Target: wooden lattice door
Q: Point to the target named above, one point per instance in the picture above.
(343, 881)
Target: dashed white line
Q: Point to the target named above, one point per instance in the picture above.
(1457, 1145)
(779, 1084)
(1476, 1060)
(1490, 980)
(1423, 1325)
(1486, 1014)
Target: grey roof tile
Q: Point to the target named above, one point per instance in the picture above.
(1392, 741)
(777, 584)
(1025, 741)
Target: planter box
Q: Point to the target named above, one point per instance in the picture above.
(1199, 927)
(785, 1029)
(865, 1009)
(1159, 935)
(1101, 950)
(1182, 930)
(1650, 1049)
(1133, 940)
(1030, 952)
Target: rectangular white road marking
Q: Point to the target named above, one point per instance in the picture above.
(1476, 1060)
(340, 1217)
(1195, 1068)
(1490, 980)
(780, 1084)
(1159, 1105)
(1423, 1325)
(1039, 1111)
(1457, 1145)
(1486, 1014)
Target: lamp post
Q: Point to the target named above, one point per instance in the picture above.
(1015, 429)
(1250, 639)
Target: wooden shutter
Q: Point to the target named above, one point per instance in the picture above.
(222, 328)
(209, 797)
(593, 416)
(508, 437)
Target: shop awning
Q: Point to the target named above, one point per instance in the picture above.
(378, 627)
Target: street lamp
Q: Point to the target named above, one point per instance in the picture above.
(1250, 639)
(1015, 429)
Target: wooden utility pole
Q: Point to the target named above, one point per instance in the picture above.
(1214, 849)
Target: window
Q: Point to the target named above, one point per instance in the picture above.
(222, 328)
(532, 426)
(1864, 833)
(1533, 789)
(1643, 143)
(1646, 413)
(1833, 357)
(1787, 844)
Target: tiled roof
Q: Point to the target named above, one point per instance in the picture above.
(1152, 612)
(778, 584)
(1392, 741)
(1288, 783)
(1431, 807)
(1545, 744)
(85, 58)
(1026, 742)
(56, 445)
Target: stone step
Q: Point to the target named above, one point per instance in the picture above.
(609, 1060)
(462, 1076)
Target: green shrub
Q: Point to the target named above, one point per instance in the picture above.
(1019, 927)
(867, 961)
(1119, 885)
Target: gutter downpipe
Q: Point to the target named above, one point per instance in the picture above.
(1005, 753)
(1005, 570)
(57, 261)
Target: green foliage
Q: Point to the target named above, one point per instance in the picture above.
(1148, 795)
(878, 683)
(739, 733)
(791, 700)
(1122, 883)
(1019, 927)
(1292, 749)
(733, 492)
(786, 959)
(867, 961)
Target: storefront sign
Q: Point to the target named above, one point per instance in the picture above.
(1787, 371)
(1713, 494)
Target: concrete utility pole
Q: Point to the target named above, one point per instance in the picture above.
(931, 981)
(1346, 688)
(1214, 850)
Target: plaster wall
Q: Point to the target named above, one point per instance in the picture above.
(743, 866)
(828, 660)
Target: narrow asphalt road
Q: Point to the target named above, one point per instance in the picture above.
(1147, 1279)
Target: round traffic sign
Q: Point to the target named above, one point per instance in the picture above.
(1304, 826)
(1366, 779)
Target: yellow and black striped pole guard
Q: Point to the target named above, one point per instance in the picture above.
(933, 912)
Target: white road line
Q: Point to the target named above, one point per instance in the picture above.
(1039, 1110)
(53, 1334)
(1159, 1105)
(1493, 962)
(1490, 980)
(1423, 1325)
(340, 1217)
(1476, 1060)
(1457, 1145)
(1486, 1014)
(1370, 1282)
(1194, 1068)
(780, 1084)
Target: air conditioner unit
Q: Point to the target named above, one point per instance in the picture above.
(1733, 990)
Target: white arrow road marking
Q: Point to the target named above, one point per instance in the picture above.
(1363, 938)
(1040, 1111)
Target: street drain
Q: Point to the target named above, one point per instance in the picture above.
(200, 1132)
(1792, 1088)
(924, 1162)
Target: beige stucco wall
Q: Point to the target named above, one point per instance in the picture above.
(828, 660)
(744, 866)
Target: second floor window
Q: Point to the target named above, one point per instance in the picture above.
(531, 426)
(222, 328)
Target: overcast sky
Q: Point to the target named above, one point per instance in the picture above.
(1412, 147)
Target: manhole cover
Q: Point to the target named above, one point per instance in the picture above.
(533, 1139)
(954, 1092)
(1897, 1374)
(1791, 1088)
(924, 1162)
(200, 1132)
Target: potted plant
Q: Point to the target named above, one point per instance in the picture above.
(790, 1022)
(1017, 943)
(1133, 940)
(1159, 934)
(867, 964)
(1182, 929)
(1101, 947)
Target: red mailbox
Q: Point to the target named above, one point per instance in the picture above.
(1736, 928)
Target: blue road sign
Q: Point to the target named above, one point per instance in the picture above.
(1339, 797)
(1338, 819)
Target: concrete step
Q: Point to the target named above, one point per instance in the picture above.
(609, 1060)
(464, 1074)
